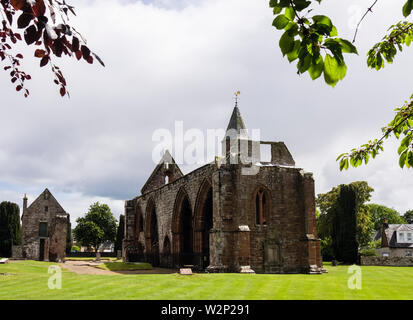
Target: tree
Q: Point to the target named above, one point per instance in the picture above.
(97, 226)
(344, 234)
(379, 212)
(68, 235)
(328, 202)
(120, 233)
(314, 42)
(89, 233)
(45, 26)
(10, 228)
(408, 216)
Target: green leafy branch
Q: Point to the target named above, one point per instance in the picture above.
(306, 39)
(400, 126)
(401, 33)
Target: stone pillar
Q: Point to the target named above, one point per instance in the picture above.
(216, 251)
(242, 249)
(313, 242)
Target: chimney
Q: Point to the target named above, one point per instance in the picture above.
(24, 203)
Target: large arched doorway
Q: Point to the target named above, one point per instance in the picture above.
(166, 253)
(152, 236)
(182, 229)
(186, 245)
(138, 223)
(203, 224)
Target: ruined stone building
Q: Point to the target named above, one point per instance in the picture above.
(227, 214)
(44, 228)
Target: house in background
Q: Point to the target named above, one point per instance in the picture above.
(44, 229)
(107, 246)
(396, 240)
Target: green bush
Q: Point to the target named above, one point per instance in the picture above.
(75, 249)
(368, 252)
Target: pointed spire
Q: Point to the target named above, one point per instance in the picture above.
(236, 121)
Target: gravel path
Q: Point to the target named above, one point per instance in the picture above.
(84, 267)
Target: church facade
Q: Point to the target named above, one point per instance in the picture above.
(44, 230)
(227, 216)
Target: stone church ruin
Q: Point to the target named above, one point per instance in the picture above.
(219, 219)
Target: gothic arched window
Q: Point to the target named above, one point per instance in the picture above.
(261, 207)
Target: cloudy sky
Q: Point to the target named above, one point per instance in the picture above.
(182, 60)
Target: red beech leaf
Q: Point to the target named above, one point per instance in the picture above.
(28, 76)
(39, 53)
(19, 55)
(18, 36)
(62, 91)
(78, 55)
(75, 44)
(58, 47)
(24, 20)
(17, 4)
(39, 8)
(30, 34)
(44, 61)
(13, 80)
(62, 80)
(90, 60)
(19, 87)
(85, 52)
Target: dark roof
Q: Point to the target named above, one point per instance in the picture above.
(391, 235)
(236, 121)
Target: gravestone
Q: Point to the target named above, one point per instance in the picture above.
(4, 261)
(246, 269)
(185, 271)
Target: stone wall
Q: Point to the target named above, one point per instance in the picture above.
(45, 209)
(395, 252)
(387, 261)
(17, 252)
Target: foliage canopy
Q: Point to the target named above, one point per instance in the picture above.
(315, 43)
(44, 25)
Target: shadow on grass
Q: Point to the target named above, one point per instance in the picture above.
(134, 268)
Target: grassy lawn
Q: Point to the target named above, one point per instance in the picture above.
(29, 280)
(122, 266)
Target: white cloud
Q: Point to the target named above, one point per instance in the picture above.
(183, 62)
